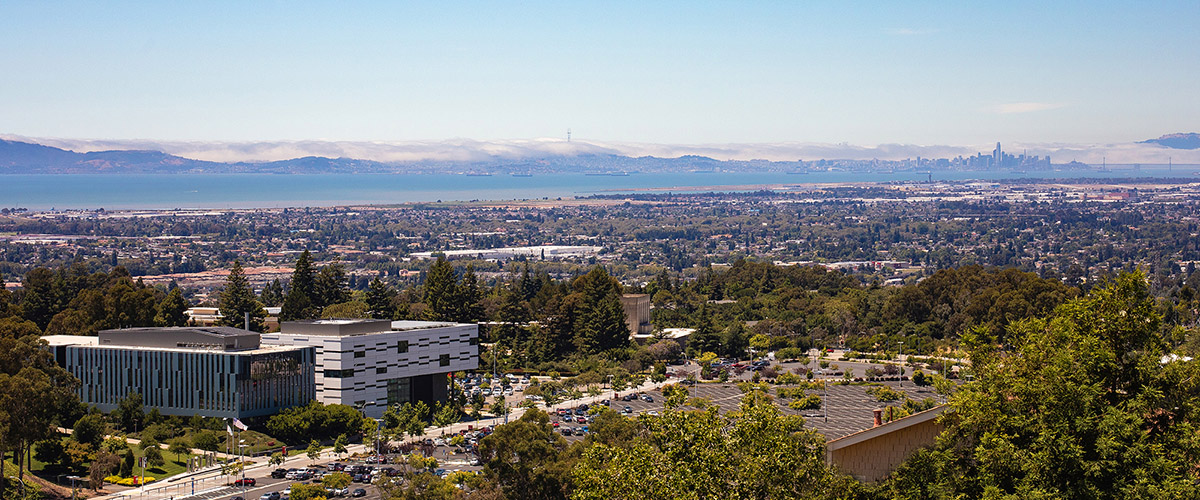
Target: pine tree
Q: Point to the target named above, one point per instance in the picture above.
(272, 294)
(238, 298)
(379, 299)
(601, 323)
(172, 311)
(329, 288)
(469, 295)
(441, 291)
(298, 303)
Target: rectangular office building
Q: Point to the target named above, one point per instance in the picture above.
(208, 371)
(372, 364)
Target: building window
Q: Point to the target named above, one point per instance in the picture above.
(399, 391)
(402, 346)
(445, 360)
(347, 373)
(473, 341)
(381, 370)
(360, 354)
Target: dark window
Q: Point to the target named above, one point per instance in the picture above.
(445, 360)
(402, 346)
(381, 370)
(360, 354)
(473, 341)
(347, 373)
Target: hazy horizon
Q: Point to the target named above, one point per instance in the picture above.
(666, 73)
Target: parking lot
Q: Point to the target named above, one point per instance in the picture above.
(845, 408)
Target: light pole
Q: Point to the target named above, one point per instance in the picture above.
(242, 462)
(900, 357)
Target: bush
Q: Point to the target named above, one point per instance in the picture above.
(812, 402)
(885, 394)
(920, 378)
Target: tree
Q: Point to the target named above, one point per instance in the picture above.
(130, 414)
(179, 449)
(238, 299)
(407, 419)
(339, 445)
(303, 491)
(104, 465)
(154, 456)
(469, 295)
(206, 440)
(172, 310)
(298, 304)
(754, 452)
(352, 309)
(36, 396)
(127, 464)
(89, 430)
(49, 451)
(276, 459)
(314, 450)
(525, 458)
(1082, 404)
(379, 299)
(336, 480)
(600, 319)
(441, 292)
(446, 414)
(330, 286)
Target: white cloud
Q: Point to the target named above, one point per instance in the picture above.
(471, 150)
(1024, 107)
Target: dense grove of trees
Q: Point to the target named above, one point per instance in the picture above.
(1086, 402)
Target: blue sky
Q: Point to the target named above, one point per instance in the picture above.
(656, 72)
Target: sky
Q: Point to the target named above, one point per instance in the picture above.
(694, 72)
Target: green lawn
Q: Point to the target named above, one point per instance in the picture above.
(168, 469)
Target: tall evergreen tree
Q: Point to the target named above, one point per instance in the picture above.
(469, 295)
(298, 303)
(272, 294)
(238, 298)
(601, 323)
(441, 291)
(329, 288)
(172, 311)
(379, 299)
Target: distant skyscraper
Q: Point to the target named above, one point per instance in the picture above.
(997, 157)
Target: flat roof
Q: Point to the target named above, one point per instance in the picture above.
(348, 327)
(90, 341)
(215, 331)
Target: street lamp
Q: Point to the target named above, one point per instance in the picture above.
(242, 463)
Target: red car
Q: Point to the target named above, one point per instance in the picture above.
(244, 482)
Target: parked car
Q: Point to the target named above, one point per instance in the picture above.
(359, 492)
(279, 473)
(249, 481)
(628, 410)
(566, 431)
(647, 398)
(274, 495)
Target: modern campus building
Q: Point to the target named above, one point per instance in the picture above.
(372, 364)
(207, 371)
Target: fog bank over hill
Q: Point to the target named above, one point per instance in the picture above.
(471, 150)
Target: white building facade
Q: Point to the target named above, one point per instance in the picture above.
(372, 364)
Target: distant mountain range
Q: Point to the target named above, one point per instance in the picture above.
(1189, 140)
(19, 155)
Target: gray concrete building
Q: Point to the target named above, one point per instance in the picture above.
(372, 364)
(208, 371)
